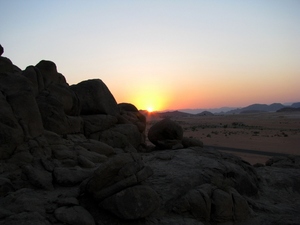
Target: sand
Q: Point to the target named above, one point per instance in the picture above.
(263, 133)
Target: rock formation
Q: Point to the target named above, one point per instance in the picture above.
(72, 155)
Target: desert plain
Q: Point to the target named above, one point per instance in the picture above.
(255, 137)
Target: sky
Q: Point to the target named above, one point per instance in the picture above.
(164, 54)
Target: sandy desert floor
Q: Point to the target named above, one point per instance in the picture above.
(253, 137)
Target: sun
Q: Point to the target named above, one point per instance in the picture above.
(150, 109)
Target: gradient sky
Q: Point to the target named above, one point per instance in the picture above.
(164, 54)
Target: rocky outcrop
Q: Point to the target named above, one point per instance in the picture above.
(95, 98)
(72, 155)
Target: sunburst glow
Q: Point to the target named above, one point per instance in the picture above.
(150, 109)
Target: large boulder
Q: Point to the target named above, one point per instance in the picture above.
(95, 98)
(33, 74)
(20, 117)
(49, 72)
(54, 116)
(19, 95)
(11, 132)
(1, 50)
(166, 134)
(130, 114)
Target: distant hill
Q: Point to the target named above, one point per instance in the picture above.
(296, 105)
(212, 110)
(173, 114)
(289, 109)
(254, 108)
(205, 113)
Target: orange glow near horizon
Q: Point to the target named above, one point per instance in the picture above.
(150, 101)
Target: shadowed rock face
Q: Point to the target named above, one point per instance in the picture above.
(1, 50)
(166, 134)
(72, 155)
(95, 98)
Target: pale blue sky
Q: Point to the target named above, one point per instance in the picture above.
(191, 54)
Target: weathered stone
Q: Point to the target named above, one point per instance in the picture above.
(19, 95)
(5, 186)
(116, 174)
(91, 156)
(11, 133)
(63, 152)
(67, 97)
(130, 114)
(38, 178)
(26, 218)
(241, 208)
(133, 202)
(71, 176)
(68, 201)
(34, 75)
(6, 66)
(1, 50)
(222, 206)
(49, 73)
(197, 202)
(85, 163)
(54, 117)
(98, 147)
(75, 215)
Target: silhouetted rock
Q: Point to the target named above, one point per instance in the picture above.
(1, 50)
(166, 134)
(49, 73)
(95, 98)
(130, 114)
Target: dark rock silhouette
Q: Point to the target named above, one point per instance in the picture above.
(71, 154)
(166, 134)
(1, 50)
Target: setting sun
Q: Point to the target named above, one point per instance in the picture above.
(150, 109)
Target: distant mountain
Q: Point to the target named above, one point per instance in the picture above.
(205, 113)
(289, 109)
(173, 114)
(254, 108)
(296, 105)
(257, 108)
(212, 110)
